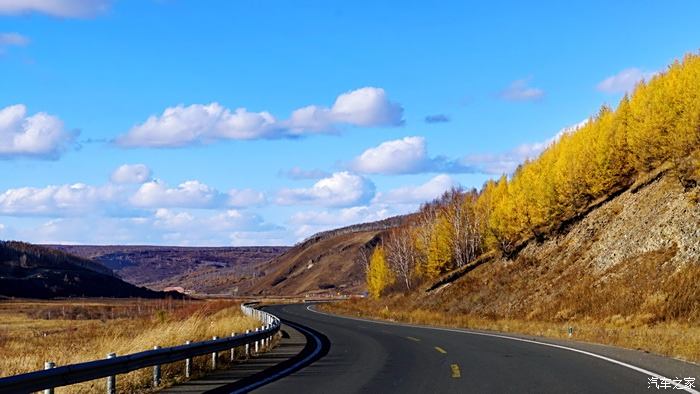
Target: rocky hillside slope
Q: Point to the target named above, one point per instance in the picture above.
(636, 258)
(31, 271)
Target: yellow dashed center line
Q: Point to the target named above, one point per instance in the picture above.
(441, 350)
(455, 371)
(413, 339)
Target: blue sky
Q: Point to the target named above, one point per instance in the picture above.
(261, 122)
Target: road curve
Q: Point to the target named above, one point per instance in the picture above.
(372, 357)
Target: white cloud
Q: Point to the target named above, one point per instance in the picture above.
(624, 81)
(245, 197)
(189, 194)
(197, 123)
(13, 39)
(40, 135)
(520, 90)
(227, 227)
(299, 173)
(179, 126)
(193, 194)
(507, 162)
(60, 8)
(340, 189)
(131, 173)
(123, 197)
(54, 200)
(233, 219)
(165, 218)
(367, 107)
(430, 190)
(408, 155)
(161, 227)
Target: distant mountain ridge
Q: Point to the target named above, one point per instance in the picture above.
(31, 271)
(203, 270)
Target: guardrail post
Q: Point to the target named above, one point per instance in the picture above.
(266, 341)
(257, 342)
(188, 363)
(111, 380)
(213, 356)
(247, 346)
(233, 349)
(49, 365)
(156, 371)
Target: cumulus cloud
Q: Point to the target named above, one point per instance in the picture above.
(40, 135)
(507, 162)
(437, 118)
(340, 189)
(520, 90)
(198, 123)
(54, 200)
(408, 155)
(189, 194)
(159, 227)
(245, 198)
(228, 220)
(429, 190)
(166, 218)
(131, 173)
(625, 80)
(297, 173)
(230, 226)
(192, 194)
(130, 193)
(59, 8)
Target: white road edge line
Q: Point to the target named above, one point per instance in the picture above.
(608, 359)
(287, 370)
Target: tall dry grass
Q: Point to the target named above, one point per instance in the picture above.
(27, 341)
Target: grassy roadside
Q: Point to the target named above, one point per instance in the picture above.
(66, 332)
(681, 341)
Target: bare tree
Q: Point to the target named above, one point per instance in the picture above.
(363, 256)
(401, 255)
(459, 208)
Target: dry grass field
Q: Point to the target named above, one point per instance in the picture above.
(71, 331)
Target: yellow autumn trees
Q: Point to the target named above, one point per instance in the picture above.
(657, 124)
(378, 274)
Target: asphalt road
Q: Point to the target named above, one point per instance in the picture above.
(352, 356)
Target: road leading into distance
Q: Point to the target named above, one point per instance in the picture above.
(355, 356)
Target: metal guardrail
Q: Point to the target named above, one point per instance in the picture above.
(114, 365)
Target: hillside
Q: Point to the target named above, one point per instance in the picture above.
(31, 271)
(204, 270)
(327, 263)
(635, 258)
